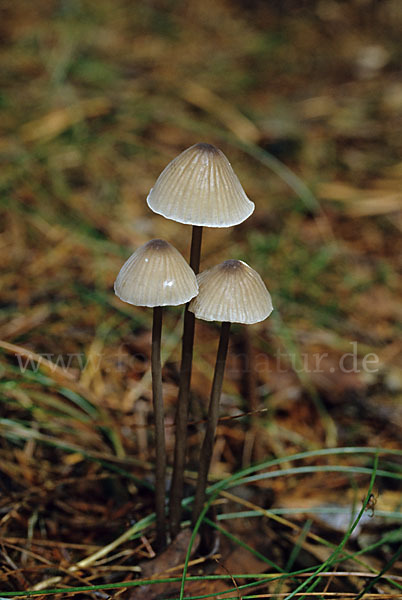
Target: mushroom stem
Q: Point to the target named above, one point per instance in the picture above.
(176, 493)
(160, 474)
(212, 421)
(195, 252)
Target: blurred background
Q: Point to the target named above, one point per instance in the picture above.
(305, 99)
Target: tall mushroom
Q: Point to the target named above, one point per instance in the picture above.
(157, 275)
(231, 292)
(198, 188)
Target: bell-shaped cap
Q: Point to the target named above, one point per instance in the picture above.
(199, 187)
(231, 292)
(156, 275)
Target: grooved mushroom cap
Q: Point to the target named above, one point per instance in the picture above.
(156, 275)
(231, 292)
(199, 187)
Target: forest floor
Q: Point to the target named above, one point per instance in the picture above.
(305, 99)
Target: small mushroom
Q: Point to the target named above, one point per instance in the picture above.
(231, 292)
(198, 188)
(157, 275)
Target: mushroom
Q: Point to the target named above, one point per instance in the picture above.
(198, 188)
(157, 275)
(231, 292)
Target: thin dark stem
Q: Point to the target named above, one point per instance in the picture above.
(213, 413)
(160, 474)
(176, 493)
(195, 252)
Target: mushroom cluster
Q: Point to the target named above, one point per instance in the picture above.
(198, 188)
